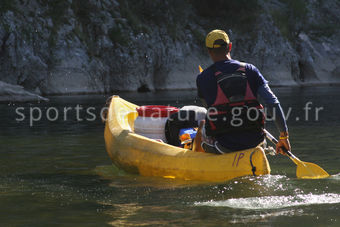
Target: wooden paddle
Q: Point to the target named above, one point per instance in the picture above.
(198, 139)
(304, 170)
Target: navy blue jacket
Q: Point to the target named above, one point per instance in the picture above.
(207, 90)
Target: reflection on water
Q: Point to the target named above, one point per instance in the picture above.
(265, 217)
(58, 173)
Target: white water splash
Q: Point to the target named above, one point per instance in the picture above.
(335, 177)
(274, 202)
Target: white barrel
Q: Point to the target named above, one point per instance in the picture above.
(150, 127)
(151, 121)
(200, 112)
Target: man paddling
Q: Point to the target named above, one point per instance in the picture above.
(232, 91)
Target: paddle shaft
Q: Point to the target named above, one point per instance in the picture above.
(275, 141)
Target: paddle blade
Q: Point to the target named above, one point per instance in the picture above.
(200, 68)
(307, 170)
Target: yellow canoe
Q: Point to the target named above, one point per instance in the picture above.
(138, 154)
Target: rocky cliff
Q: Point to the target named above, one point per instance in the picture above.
(101, 46)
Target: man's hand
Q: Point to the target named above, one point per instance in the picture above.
(283, 143)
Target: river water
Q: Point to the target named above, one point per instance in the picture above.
(55, 172)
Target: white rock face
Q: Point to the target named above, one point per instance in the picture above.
(15, 93)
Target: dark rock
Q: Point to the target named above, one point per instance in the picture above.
(144, 88)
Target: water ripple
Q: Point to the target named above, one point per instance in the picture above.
(274, 202)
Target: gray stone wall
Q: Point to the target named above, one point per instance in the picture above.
(104, 46)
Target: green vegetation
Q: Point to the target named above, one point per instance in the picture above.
(291, 20)
(79, 33)
(176, 17)
(198, 36)
(7, 5)
(238, 15)
(318, 30)
(85, 29)
(131, 17)
(5, 26)
(82, 10)
(142, 15)
(138, 13)
(57, 11)
(172, 31)
(281, 21)
(117, 36)
(27, 32)
(296, 8)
